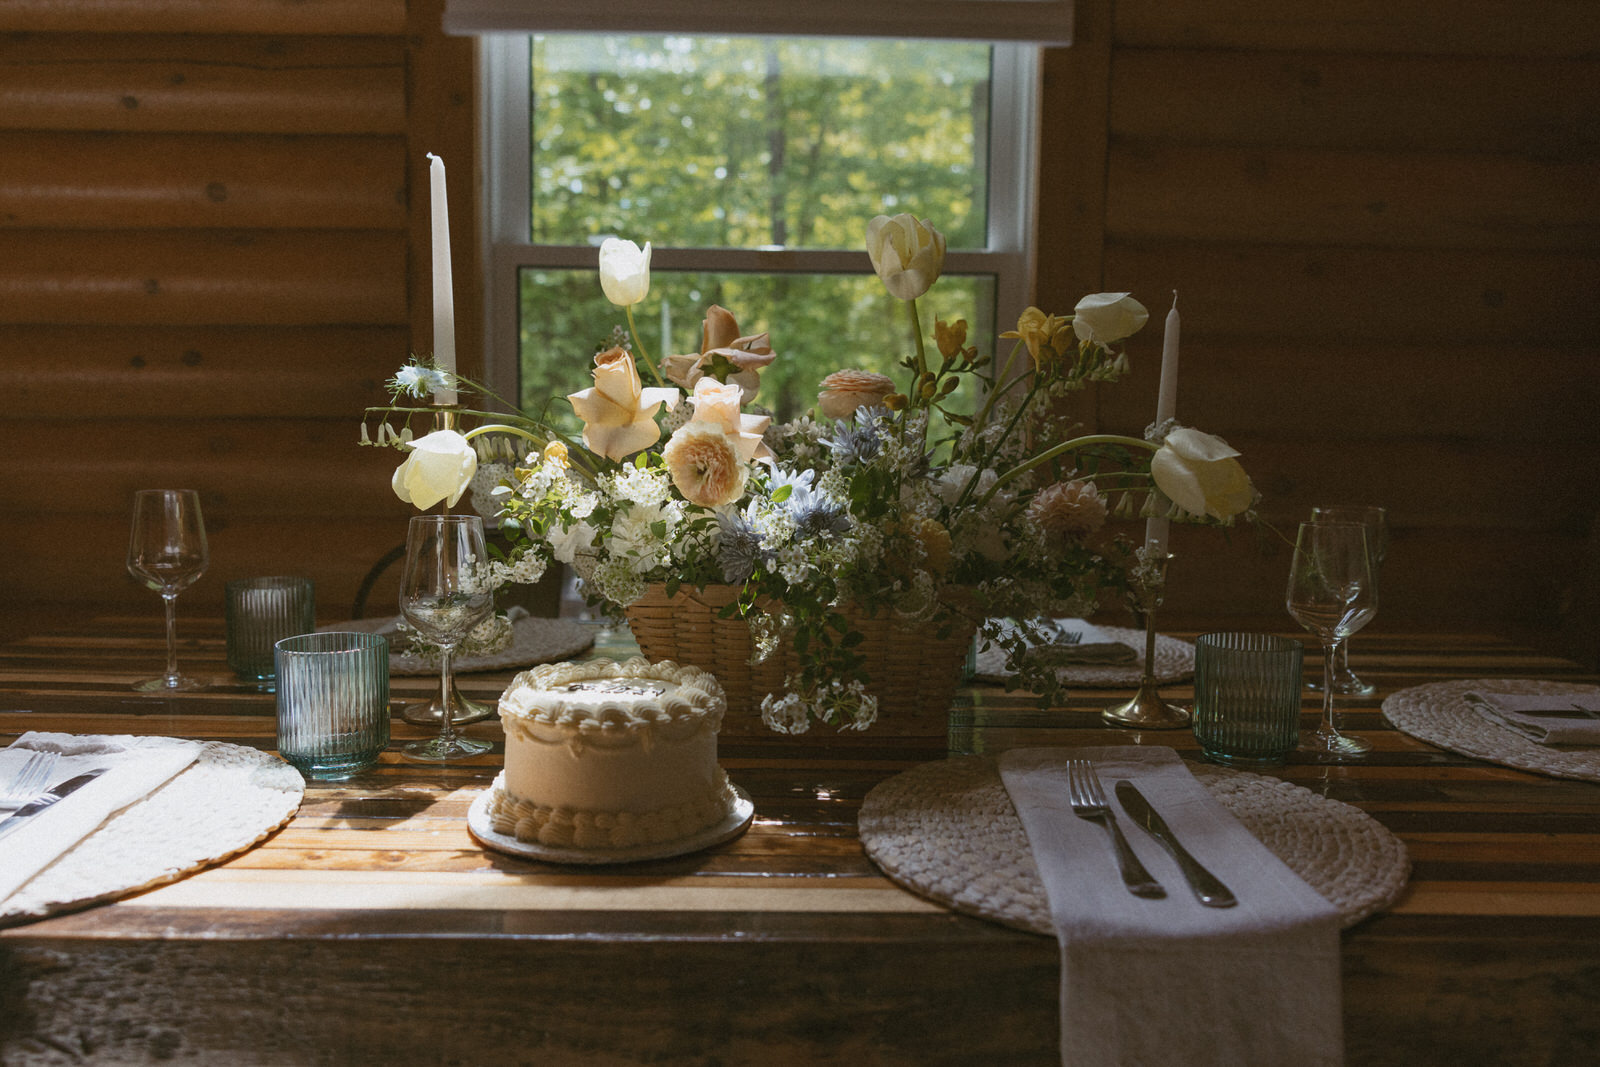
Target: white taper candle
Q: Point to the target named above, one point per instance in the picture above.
(1157, 528)
(444, 311)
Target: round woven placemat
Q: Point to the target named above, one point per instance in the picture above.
(1439, 714)
(227, 800)
(947, 831)
(1174, 662)
(534, 640)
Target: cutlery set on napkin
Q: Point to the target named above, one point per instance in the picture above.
(1078, 642)
(94, 777)
(1548, 719)
(1249, 956)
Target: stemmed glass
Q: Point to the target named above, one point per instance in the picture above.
(1376, 520)
(167, 551)
(441, 596)
(1331, 593)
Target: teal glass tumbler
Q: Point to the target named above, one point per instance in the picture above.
(333, 702)
(260, 613)
(1247, 697)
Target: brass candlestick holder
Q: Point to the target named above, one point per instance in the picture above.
(431, 712)
(1146, 710)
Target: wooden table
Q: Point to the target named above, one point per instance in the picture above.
(373, 928)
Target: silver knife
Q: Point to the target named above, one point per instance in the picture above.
(55, 793)
(1207, 887)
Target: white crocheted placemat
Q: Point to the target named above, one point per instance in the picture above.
(1440, 714)
(534, 640)
(1174, 662)
(947, 831)
(227, 800)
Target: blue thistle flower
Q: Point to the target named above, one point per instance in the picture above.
(739, 548)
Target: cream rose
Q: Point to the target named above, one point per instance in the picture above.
(440, 467)
(845, 390)
(624, 271)
(619, 415)
(1199, 473)
(1106, 318)
(705, 464)
(907, 253)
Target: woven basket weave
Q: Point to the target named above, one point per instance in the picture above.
(913, 673)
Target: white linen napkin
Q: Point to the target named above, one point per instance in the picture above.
(1168, 981)
(137, 766)
(1548, 718)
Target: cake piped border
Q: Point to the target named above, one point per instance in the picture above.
(697, 703)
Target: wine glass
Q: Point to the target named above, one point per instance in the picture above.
(1376, 520)
(441, 595)
(1331, 593)
(167, 552)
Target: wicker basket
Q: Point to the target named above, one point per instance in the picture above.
(913, 673)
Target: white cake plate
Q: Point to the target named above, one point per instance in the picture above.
(735, 823)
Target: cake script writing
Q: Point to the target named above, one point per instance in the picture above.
(618, 688)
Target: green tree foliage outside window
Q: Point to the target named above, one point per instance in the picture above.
(746, 143)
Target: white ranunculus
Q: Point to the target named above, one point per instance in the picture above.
(907, 253)
(1199, 473)
(440, 467)
(1106, 318)
(566, 544)
(624, 271)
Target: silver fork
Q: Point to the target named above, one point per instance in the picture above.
(1065, 636)
(1089, 802)
(29, 782)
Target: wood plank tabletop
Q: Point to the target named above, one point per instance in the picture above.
(374, 928)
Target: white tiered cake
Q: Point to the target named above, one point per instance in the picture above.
(605, 755)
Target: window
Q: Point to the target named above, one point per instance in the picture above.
(752, 165)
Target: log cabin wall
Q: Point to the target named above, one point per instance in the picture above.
(213, 248)
(1382, 221)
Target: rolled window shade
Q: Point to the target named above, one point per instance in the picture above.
(1038, 21)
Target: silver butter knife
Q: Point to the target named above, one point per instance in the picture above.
(43, 802)
(1207, 887)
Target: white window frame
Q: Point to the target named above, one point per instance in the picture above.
(504, 61)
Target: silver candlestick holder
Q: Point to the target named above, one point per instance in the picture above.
(1146, 710)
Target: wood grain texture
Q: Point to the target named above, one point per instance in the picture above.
(202, 84)
(159, 181)
(193, 277)
(377, 889)
(1554, 28)
(221, 372)
(1400, 103)
(1368, 198)
(363, 17)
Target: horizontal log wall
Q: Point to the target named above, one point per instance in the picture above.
(1381, 220)
(213, 251)
(213, 241)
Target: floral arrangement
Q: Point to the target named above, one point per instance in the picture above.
(884, 498)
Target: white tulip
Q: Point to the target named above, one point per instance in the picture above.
(1198, 472)
(1106, 318)
(908, 254)
(440, 467)
(624, 271)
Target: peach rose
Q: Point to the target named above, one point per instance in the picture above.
(619, 416)
(845, 390)
(705, 465)
(1068, 509)
(719, 336)
(718, 405)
